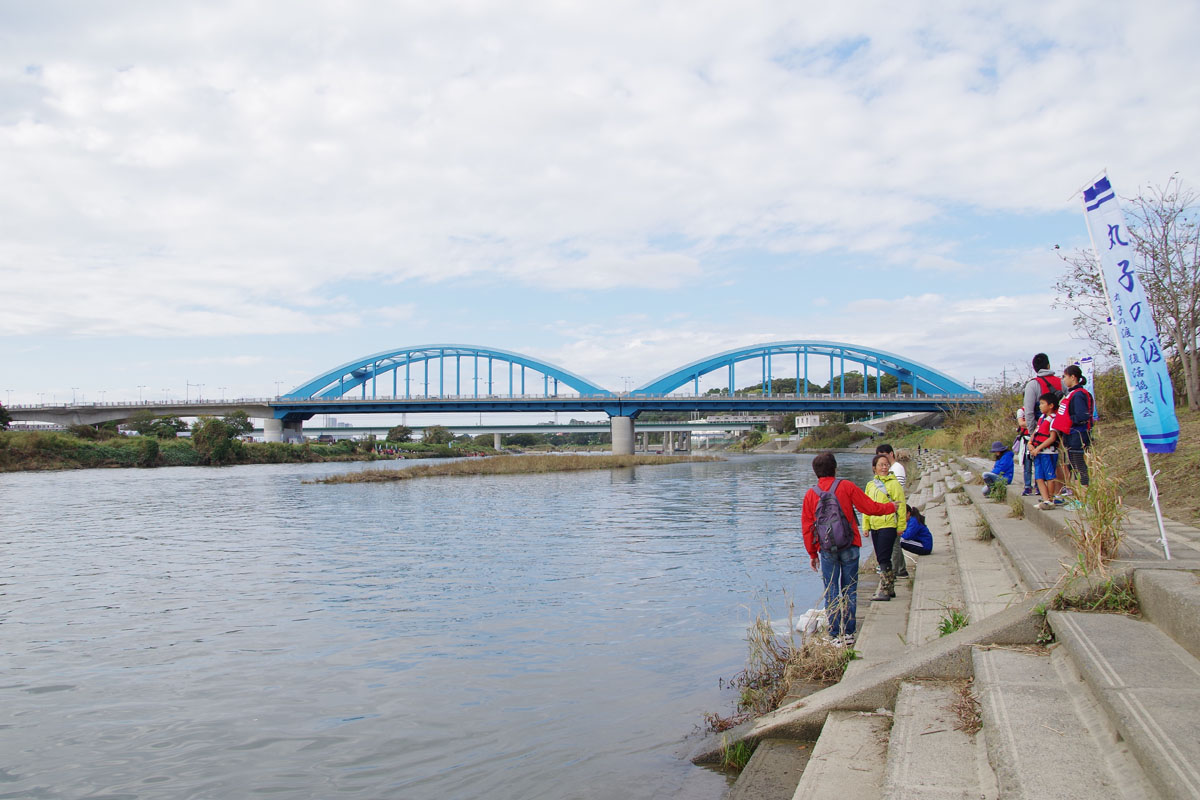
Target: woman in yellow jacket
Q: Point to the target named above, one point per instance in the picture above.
(885, 488)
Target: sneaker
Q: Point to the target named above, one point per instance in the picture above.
(849, 640)
(1066, 492)
(1058, 501)
(1027, 493)
(1046, 505)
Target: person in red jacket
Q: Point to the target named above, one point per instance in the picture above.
(839, 571)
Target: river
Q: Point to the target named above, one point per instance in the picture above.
(235, 632)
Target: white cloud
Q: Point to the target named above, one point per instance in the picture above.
(222, 166)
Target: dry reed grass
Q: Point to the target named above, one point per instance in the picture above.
(966, 708)
(507, 465)
(1095, 528)
(773, 664)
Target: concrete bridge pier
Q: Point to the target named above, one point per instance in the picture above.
(495, 441)
(278, 430)
(668, 442)
(622, 435)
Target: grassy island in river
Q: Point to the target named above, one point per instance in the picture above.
(508, 465)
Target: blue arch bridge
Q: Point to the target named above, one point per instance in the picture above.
(448, 378)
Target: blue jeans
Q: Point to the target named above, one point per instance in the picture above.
(991, 477)
(839, 571)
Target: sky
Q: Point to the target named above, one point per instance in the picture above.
(232, 197)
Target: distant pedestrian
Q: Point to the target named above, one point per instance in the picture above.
(1002, 467)
(917, 538)
(839, 567)
(883, 528)
(1078, 406)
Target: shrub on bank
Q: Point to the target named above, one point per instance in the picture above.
(828, 437)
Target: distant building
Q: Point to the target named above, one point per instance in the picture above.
(806, 422)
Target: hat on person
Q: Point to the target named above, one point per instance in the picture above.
(998, 447)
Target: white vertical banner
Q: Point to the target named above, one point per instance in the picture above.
(1150, 390)
(1088, 367)
(1146, 377)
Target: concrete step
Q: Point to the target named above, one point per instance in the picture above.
(849, 758)
(881, 637)
(988, 583)
(929, 758)
(1171, 600)
(773, 771)
(936, 584)
(1150, 688)
(1045, 737)
(1037, 558)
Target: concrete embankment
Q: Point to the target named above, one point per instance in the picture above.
(1022, 702)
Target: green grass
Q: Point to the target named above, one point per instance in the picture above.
(735, 756)
(955, 619)
(1115, 595)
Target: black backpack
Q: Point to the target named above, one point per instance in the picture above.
(833, 530)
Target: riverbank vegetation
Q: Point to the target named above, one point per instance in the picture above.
(831, 437)
(49, 450)
(507, 465)
(775, 666)
(1115, 441)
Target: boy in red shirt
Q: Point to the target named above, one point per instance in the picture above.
(1051, 428)
(839, 571)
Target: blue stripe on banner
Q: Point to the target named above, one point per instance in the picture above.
(1104, 199)
(1160, 448)
(1100, 187)
(1168, 435)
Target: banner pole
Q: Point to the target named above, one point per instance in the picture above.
(1162, 531)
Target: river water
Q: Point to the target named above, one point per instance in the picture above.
(221, 633)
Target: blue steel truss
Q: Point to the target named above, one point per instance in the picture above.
(919, 377)
(364, 372)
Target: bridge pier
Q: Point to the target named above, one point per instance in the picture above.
(495, 441)
(622, 435)
(278, 430)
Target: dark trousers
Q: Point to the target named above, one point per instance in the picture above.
(883, 540)
(1077, 444)
(915, 548)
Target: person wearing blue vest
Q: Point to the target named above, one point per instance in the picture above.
(1001, 468)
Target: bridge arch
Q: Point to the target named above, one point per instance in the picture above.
(365, 374)
(921, 377)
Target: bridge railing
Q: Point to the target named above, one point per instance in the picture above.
(471, 397)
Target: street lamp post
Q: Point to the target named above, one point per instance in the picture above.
(222, 388)
(9, 402)
(73, 390)
(140, 387)
(277, 385)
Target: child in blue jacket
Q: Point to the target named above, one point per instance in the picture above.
(1001, 468)
(917, 537)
